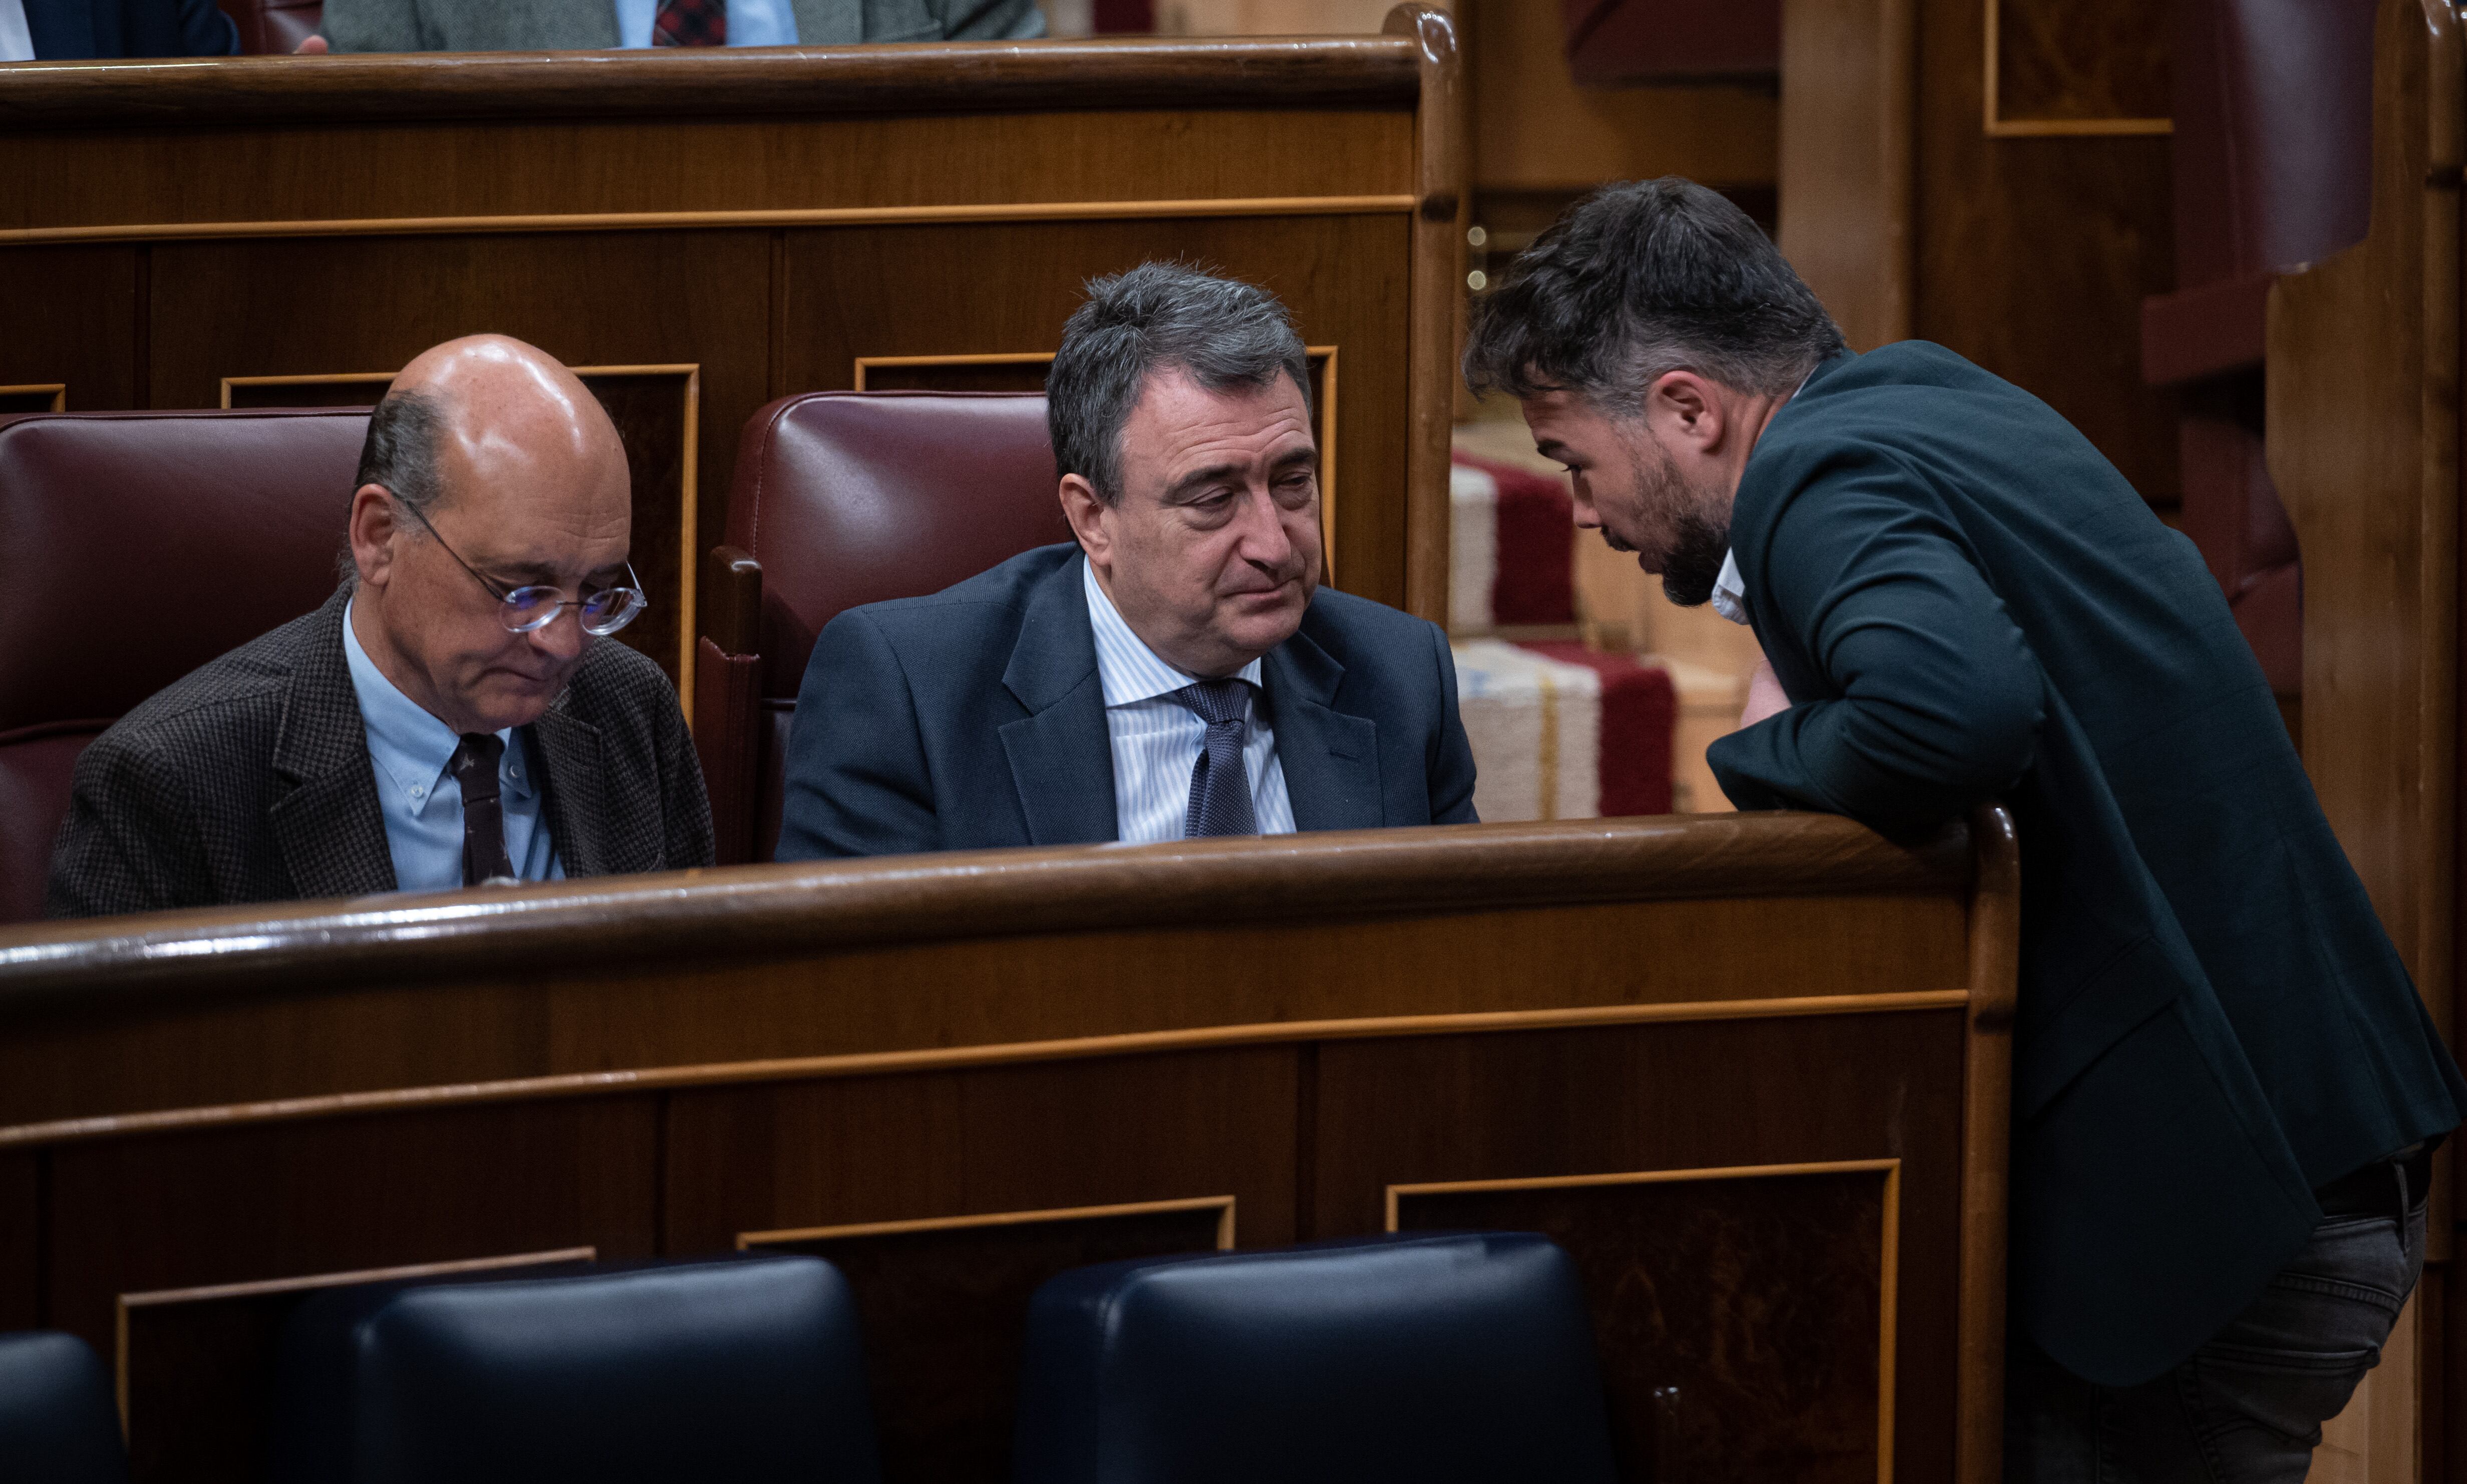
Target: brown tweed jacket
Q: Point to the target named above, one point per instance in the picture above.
(249, 780)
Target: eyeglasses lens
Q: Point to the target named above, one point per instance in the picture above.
(531, 607)
(611, 608)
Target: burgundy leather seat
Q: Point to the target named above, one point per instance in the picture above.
(273, 26)
(2273, 170)
(134, 547)
(843, 498)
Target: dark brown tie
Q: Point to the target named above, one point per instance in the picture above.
(474, 767)
(690, 23)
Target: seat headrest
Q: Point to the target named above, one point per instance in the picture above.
(58, 1422)
(135, 546)
(855, 498)
(1432, 1359)
(746, 1369)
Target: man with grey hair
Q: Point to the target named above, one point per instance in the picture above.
(1174, 672)
(451, 716)
(2225, 1088)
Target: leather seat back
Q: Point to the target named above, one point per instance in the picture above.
(853, 497)
(1436, 1359)
(743, 1369)
(134, 547)
(57, 1421)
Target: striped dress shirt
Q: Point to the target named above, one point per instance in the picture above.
(1157, 739)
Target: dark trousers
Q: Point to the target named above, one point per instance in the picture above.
(2248, 1407)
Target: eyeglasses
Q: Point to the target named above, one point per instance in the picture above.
(604, 609)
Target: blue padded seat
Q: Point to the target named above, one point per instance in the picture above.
(1429, 1358)
(58, 1424)
(745, 1369)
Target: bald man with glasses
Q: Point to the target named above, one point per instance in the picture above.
(449, 718)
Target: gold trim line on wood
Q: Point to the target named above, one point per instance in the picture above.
(1991, 104)
(875, 1063)
(309, 1282)
(1223, 1206)
(1887, 1280)
(660, 221)
(59, 390)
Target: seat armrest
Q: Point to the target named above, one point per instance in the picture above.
(727, 704)
(732, 610)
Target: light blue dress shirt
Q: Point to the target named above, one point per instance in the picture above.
(422, 804)
(1157, 739)
(750, 22)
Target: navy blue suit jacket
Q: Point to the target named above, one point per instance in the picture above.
(1965, 600)
(975, 719)
(75, 30)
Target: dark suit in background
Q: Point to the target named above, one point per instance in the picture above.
(974, 718)
(249, 780)
(79, 29)
(1962, 599)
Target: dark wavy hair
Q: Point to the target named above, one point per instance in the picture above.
(1643, 279)
(1224, 332)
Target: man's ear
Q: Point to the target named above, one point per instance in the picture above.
(1682, 405)
(373, 533)
(1087, 516)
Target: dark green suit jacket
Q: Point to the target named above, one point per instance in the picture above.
(1964, 601)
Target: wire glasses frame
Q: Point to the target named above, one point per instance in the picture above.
(604, 610)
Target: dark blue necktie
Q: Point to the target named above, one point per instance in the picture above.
(474, 767)
(1220, 787)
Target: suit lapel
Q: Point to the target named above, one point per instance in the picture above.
(576, 804)
(1330, 757)
(325, 817)
(1061, 755)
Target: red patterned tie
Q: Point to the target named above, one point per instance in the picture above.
(690, 23)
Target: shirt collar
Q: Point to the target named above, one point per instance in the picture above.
(1729, 593)
(1129, 669)
(409, 746)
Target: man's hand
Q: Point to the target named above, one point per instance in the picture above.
(1765, 697)
(313, 46)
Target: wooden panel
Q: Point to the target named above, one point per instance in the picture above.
(1557, 1104)
(1720, 1300)
(75, 320)
(2075, 67)
(40, 397)
(945, 1310)
(2033, 256)
(1845, 194)
(1345, 278)
(263, 308)
(944, 1307)
(21, 1240)
(687, 165)
(1038, 1031)
(195, 1366)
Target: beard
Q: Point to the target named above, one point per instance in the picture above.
(1693, 561)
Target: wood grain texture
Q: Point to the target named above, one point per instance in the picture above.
(1986, 1131)
(944, 1311)
(2033, 255)
(1742, 1317)
(1549, 1104)
(2362, 433)
(1294, 1024)
(2362, 417)
(765, 911)
(941, 78)
(2085, 66)
(21, 1240)
(1436, 329)
(1846, 160)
